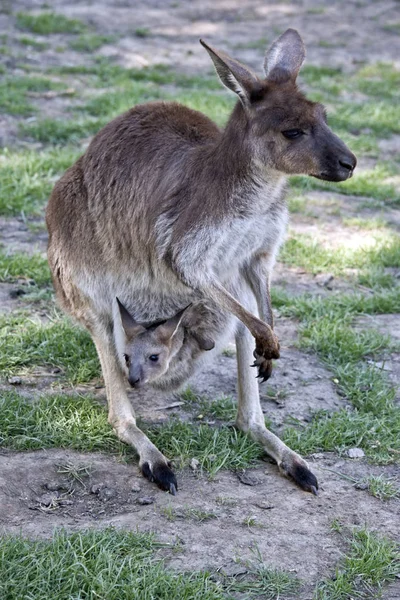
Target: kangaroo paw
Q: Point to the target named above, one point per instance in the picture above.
(264, 367)
(267, 347)
(162, 475)
(295, 468)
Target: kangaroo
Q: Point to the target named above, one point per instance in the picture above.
(165, 209)
(163, 354)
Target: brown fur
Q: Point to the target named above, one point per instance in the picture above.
(165, 209)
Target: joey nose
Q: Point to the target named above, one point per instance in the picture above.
(133, 381)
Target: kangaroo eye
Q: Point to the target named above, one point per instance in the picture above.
(154, 357)
(126, 357)
(292, 134)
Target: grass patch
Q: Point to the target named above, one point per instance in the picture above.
(24, 266)
(110, 564)
(48, 22)
(308, 253)
(60, 421)
(214, 448)
(373, 183)
(383, 488)
(14, 92)
(33, 43)
(25, 343)
(56, 421)
(27, 177)
(89, 42)
(374, 422)
(370, 562)
(58, 131)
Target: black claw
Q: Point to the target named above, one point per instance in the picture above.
(162, 475)
(305, 478)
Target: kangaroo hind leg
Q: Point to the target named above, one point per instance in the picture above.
(153, 464)
(251, 419)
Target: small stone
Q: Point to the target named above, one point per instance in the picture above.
(361, 485)
(135, 487)
(55, 486)
(106, 494)
(56, 370)
(355, 453)
(47, 499)
(248, 479)
(14, 380)
(233, 570)
(264, 505)
(194, 464)
(146, 500)
(95, 489)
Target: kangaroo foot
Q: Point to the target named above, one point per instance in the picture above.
(162, 475)
(297, 469)
(264, 367)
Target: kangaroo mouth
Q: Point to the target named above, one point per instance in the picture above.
(338, 176)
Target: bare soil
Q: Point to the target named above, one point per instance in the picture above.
(292, 529)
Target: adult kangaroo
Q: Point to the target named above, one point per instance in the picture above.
(165, 210)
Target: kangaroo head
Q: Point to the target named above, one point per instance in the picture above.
(148, 350)
(284, 131)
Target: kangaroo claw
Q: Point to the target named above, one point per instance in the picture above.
(301, 474)
(162, 475)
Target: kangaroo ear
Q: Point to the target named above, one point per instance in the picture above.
(167, 330)
(234, 75)
(130, 326)
(285, 57)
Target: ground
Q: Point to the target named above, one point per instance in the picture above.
(334, 392)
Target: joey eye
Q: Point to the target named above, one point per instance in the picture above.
(292, 134)
(126, 357)
(153, 357)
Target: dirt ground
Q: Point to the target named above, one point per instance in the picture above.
(292, 529)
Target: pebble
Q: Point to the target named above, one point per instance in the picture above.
(355, 453)
(194, 464)
(14, 380)
(135, 487)
(47, 499)
(248, 479)
(146, 500)
(55, 486)
(95, 489)
(106, 494)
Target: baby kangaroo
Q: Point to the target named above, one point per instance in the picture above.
(161, 354)
(166, 209)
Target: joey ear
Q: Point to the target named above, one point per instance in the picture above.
(130, 326)
(167, 330)
(285, 57)
(235, 76)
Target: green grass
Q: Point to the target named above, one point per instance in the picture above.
(48, 22)
(60, 131)
(54, 421)
(370, 562)
(24, 266)
(372, 183)
(33, 43)
(374, 422)
(27, 177)
(26, 343)
(383, 488)
(308, 253)
(214, 448)
(96, 564)
(89, 42)
(14, 98)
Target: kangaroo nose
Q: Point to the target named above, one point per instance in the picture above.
(133, 381)
(348, 162)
